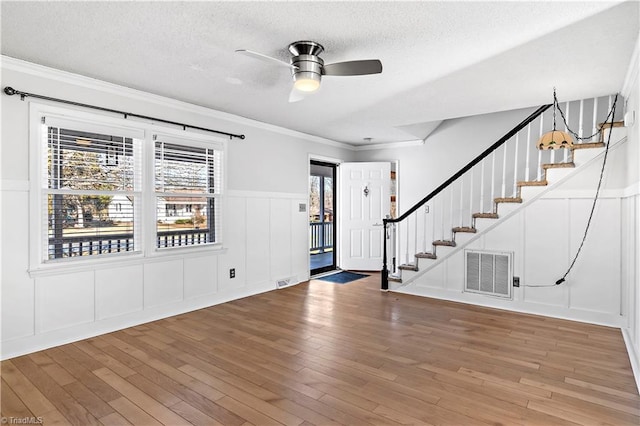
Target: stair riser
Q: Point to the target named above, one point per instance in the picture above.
(554, 175)
(506, 208)
(463, 238)
(482, 224)
(581, 156)
(528, 192)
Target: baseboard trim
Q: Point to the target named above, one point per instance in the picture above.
(634, 358)
(517, 306)
(29, 344)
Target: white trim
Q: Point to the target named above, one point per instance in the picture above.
(632, 190)
(583, 193)
(257, 194)
(42, 71)
(29, 344)
(562, 312)
(634, 357)
(389, 145)
(632, 71)
(124, 259)
(14, 185)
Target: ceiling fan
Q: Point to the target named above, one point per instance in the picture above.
(307, 68)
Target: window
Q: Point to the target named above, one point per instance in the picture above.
(188, 190)
(91, 190)
(94, 194)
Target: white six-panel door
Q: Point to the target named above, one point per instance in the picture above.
(364, 201)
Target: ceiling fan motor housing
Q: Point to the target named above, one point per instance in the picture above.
(307, 65)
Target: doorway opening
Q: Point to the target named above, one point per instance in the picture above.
(322, 217)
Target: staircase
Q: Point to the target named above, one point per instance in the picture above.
(505, 178)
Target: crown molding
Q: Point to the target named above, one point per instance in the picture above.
(389, 145)
(632, 71)
(42, 71)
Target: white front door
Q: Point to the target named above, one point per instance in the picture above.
(364, 201)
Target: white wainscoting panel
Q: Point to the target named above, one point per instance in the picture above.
(64, 301)
(235, 239)
(112, 284)
(200, 276)
(546, 245)
(455, 273)
(163, 282)
(280, 239)
(300, 239)
(258, 237)
(17, 288)
(595, 279)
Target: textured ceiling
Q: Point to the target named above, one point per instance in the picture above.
(441, 59)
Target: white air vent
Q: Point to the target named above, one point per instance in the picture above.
(488, 273)
(283, 283)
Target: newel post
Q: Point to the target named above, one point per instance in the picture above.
(384, 286)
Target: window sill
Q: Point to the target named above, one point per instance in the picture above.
(123, 260)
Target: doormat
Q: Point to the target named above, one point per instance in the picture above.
(343, 277)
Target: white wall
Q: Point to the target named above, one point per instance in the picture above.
(631, 219)
(265, 234)
(451, 146)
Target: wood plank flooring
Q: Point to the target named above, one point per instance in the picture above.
(327, 354)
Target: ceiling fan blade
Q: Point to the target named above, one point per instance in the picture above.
(265, 58)
(363, 67)
(296, 95)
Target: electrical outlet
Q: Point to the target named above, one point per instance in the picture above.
(232, 273)
(516, 281)
(426, 209)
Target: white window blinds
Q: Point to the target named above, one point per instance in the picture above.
(188, 184)
(91, 188)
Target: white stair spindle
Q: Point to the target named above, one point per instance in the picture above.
(461, 222)
(451, 211)
(406, 255)
(566, 150)
(442, 212)
(493, 180)
(415, 233)
(580, 120)
(595, 120)
(433, 222)
(482, 187)
(426, 216)
(504, 170)
(527, 169)
(471, 191)
(539, 173)
(515, 166)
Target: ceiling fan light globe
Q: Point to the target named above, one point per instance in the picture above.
(307, 82)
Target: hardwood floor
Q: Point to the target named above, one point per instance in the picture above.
(325, 354)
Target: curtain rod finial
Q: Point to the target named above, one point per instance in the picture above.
(9, 90)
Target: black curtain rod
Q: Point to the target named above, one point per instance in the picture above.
(11, 91)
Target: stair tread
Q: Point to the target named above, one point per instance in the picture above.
(426, 255)
(485, 215)
(558, 165)
(588, 145)
(533, 183)
(468, 229)
(445, 243)
(508, 200)
(608, 124)
(394, 279)
(408, 267)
